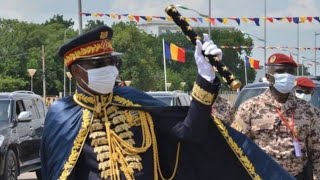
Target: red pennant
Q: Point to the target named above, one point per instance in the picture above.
(309, 19)
(270, 19)
(289, 19)
(213, 21)
(137, 18)
(195, 19)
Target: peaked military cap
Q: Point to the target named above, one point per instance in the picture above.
(281, 59)
(96, 42)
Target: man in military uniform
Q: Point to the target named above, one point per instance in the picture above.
(222, 109)
(304, 88)
(107, 132)
(284, 126)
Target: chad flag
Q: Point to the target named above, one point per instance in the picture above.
(174, 52)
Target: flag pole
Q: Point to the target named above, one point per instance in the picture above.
(164, 65)
(245, 70)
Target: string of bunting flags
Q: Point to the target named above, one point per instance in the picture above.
(269, 47)
(238, 20)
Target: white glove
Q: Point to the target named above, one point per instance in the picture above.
(204, 67)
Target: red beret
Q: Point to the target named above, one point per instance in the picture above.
(305, 82)
(279, 58)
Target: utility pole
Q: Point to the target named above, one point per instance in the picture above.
(209, 20)
(80, 16)
(43, 74)
(265, 36)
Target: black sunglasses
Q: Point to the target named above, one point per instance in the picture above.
(96, 62)
(300, 91)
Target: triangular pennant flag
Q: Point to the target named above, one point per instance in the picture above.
(309, 19)
(195, 19)
(161, 17)
(131, 17)
(213, 21)
(201, 20)
(113, 16)
(220, 20)
(143, 17)
(119, 16)
(149, 18)
(270, 19)
(256, 21)
(237, 20)
(137, 18)
(244, 19)
(317, 18)
(87, 14)
(296, 20)
(278, 18)
(289, 19)
(225, 20)
(303, 19)
(94, 14)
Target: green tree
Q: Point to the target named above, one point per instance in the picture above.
(91, 24)
(58, 19)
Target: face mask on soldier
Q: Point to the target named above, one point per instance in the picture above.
(284, 83)
(306, 97)
(102, 79)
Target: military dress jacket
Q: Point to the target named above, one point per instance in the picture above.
(144, 139)
(260, 119)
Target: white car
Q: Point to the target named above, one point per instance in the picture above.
(172, 98)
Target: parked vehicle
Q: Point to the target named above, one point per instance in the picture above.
(22, 115)
(172, 98)
(254, 89)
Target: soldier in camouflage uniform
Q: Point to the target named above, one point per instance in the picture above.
(281, 124)
(222, 109)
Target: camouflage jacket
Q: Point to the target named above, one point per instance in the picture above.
(222, 109)
(259, 119)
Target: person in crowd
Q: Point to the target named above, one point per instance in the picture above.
(222, 109)
(304, 88)
(284, 126)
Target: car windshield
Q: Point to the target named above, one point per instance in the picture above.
(315, 99)
(4, 110)
(247, 94)
(166, 99)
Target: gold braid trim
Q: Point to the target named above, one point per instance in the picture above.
(237, 150)
(120, 101)
(77, 146)
(201, 95)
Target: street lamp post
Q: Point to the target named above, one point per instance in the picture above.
(70, 77)
(182, 84)
(168, 85)
(315, 52)
(64, 67)
(31, 74)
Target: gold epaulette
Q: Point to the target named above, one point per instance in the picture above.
(201, 95)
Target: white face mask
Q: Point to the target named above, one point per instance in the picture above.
(306, 97)
(284, 83)
(102, 79)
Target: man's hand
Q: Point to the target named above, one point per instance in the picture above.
(204, 67)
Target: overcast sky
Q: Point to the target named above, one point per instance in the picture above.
(278, 33)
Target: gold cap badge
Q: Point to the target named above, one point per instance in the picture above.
(104, 35)
(272, 59)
